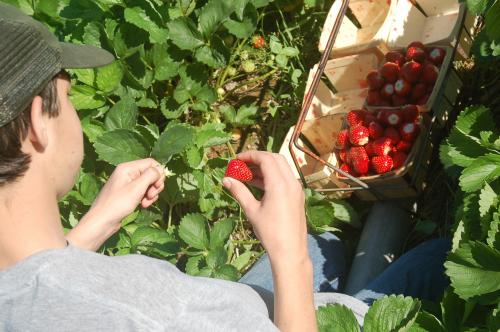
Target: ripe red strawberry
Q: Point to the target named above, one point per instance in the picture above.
(355, 117)
(395, 57)
(398, 159)
(418, 92)
(238, 170)
(416, 54)
(409, 131)
(402, 88)
(392, 118)
(369, 118)
(436, 55)
(342, 139)
(390, 71)
(410, 113)
(359, 159)
(424, 99)
(258, 41)
(375, 130)
(398, 100)
(387, 91)
(430, 73)
(359, 135)
(393, 134)
(381, 146)
(404, 146)
(411, 71)
(416, 44)
(343, 155)
(382, 164)
(373, 98)
(369, 149)
(346, 168)
(375, 80)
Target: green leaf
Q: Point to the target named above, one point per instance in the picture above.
(275, 45)
(474, 271)
(336, 317)
(123, 115)
(220, 232)
(212, 14)
(193, 231)
(243, 260)
(92, 128)
(211, 137)
(139, 18)
(226, 272)
(345, 213)
(487, 199)
(493, 236)
(165, 65)
(215, 55)
(239, 7)
(427, 322)
(246, 26)
(109, 77)
(483, 170)
(193, 265)
(154, 240)
(89, 187)
(245, 114)
(290, 51)
(391, 313)
(475, 119)
(86, 97)
(119, 146)
(452, 309)
(171, 109)
(216, 257)
(184, 34)
(479, 6)
(175, 139)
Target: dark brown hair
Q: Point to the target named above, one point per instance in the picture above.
(14, 162)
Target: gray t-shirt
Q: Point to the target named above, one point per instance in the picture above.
(76, 290)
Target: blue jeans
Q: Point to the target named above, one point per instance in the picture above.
(418, 273)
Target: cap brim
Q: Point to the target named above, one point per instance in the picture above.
(84, 56)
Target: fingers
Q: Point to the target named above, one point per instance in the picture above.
(146, 202)
(140, 165)
(266, 165)
(241, 193)
(149, 178)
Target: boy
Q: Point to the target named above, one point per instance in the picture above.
(49, 282)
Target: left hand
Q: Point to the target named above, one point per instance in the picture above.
(132, 183)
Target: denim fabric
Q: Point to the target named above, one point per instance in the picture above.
(418, 273)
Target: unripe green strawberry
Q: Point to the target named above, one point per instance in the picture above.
(248, 66)
(231, 71)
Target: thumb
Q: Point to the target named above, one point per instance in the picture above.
(241, 193)
(146, 179)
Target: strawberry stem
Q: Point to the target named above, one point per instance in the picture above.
(231, 150)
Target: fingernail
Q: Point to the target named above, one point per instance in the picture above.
(226, 182)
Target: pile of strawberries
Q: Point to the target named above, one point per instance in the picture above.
(377, 142)
(405, 77)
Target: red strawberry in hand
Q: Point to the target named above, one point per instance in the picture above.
(390, 71)
(436, 55)
(238, 170)
(375, 80)
(411, 71)
(398, 159)
(359, 135)
(395, 57)
(359, 159)
(382, 164)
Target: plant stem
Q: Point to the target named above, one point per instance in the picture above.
(253, 80)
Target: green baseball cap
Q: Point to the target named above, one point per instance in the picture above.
(30, 56)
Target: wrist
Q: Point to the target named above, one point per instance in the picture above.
(297, 261)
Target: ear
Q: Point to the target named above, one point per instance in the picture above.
(38, 132)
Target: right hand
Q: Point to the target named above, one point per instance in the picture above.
(279, 219)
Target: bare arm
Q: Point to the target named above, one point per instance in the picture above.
(279, 222)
